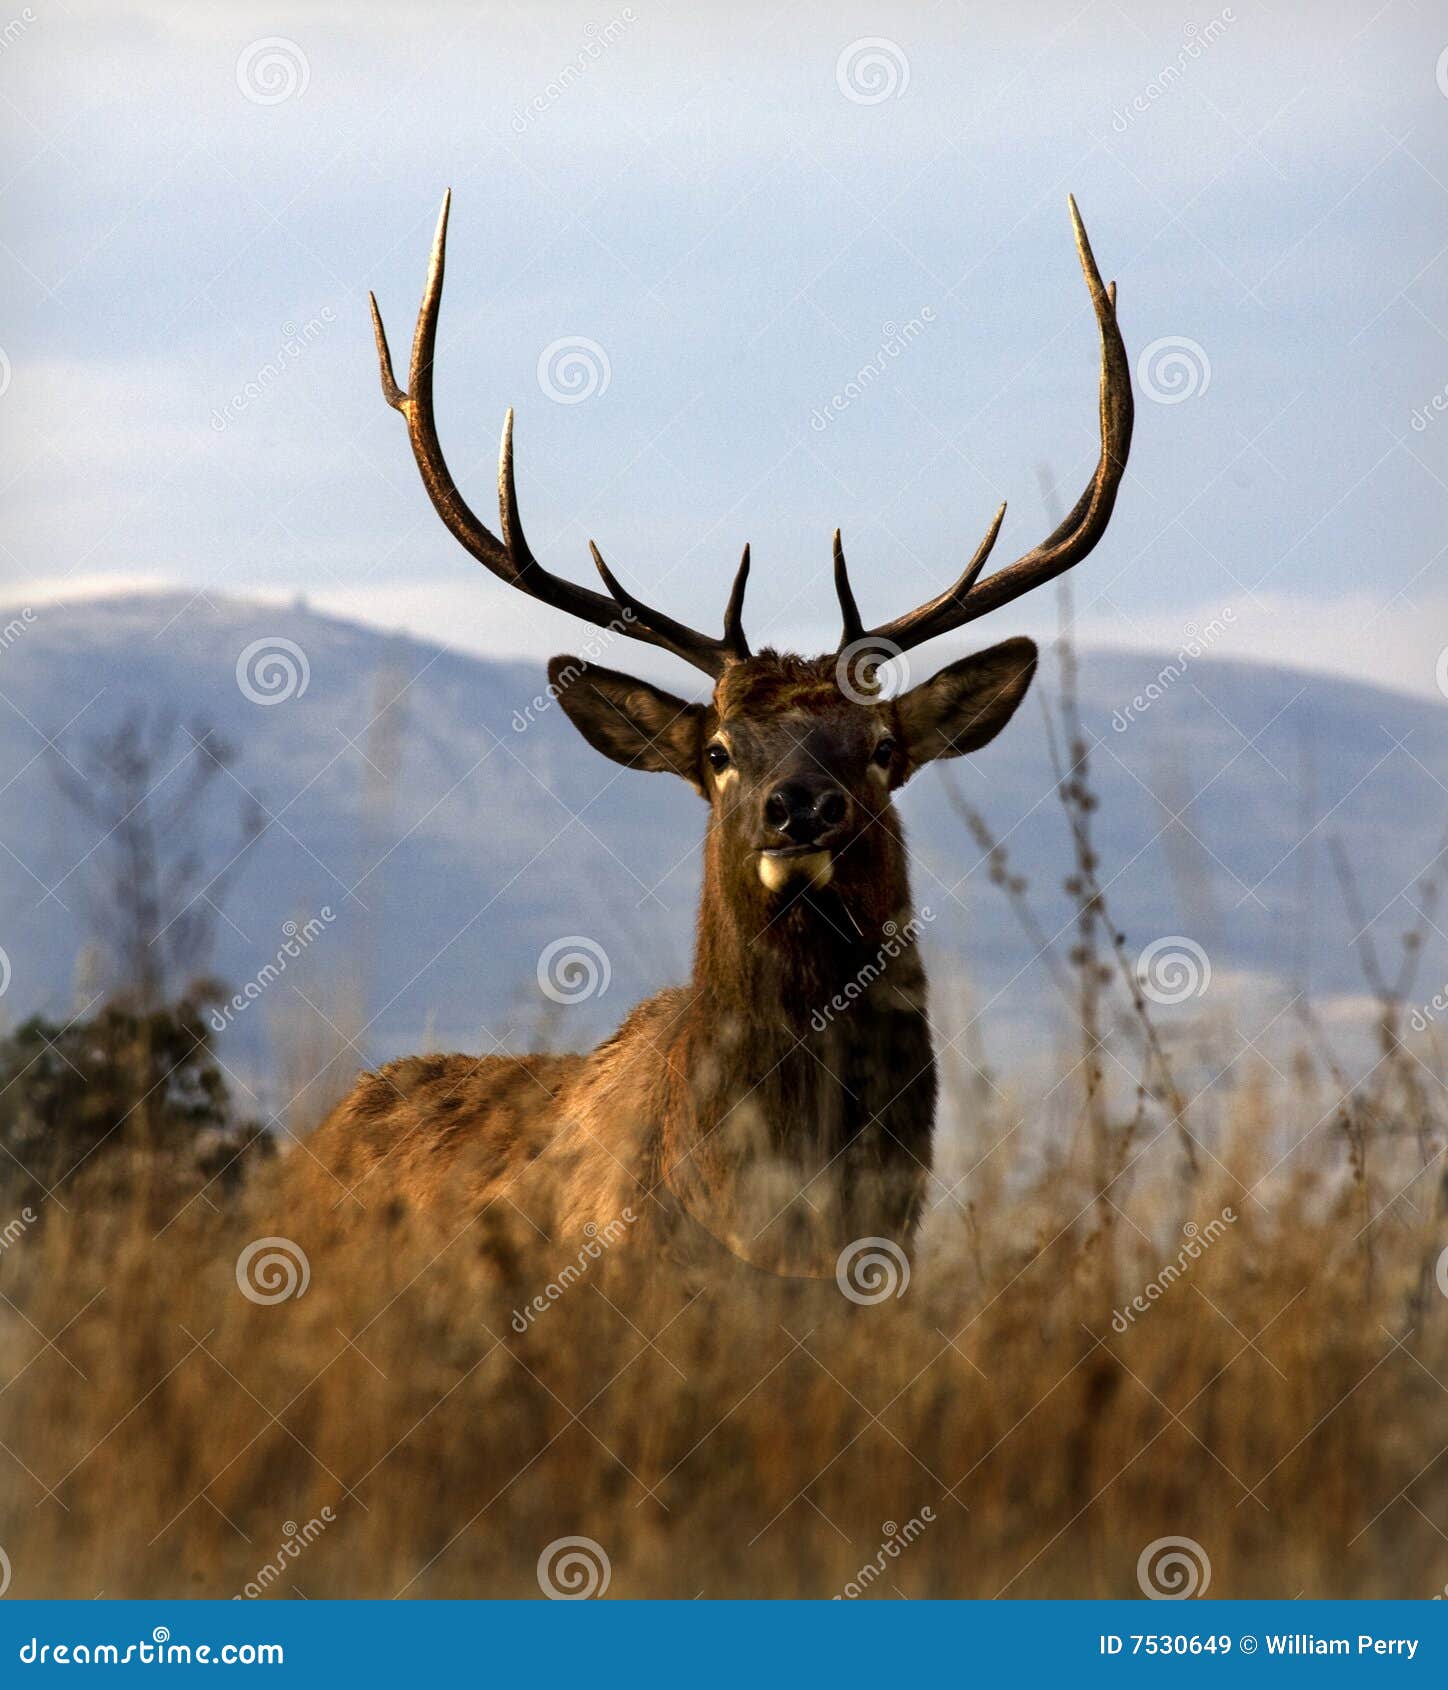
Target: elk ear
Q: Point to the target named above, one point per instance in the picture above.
(965, 706)
(628, 720)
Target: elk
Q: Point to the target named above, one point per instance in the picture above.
(782, 1103)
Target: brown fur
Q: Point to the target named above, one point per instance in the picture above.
(782, 1104)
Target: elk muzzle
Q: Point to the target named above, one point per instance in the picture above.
(803, 819)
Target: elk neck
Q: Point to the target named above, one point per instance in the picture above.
(803, 1083)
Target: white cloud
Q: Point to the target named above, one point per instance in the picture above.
(1396, 647)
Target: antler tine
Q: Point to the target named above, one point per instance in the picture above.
(854, 628)
(1073, 538)
(511, 558)
(679, 638)
(734, 610)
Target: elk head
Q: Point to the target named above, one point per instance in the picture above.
(797, 757)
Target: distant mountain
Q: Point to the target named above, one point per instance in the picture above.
(454, 824)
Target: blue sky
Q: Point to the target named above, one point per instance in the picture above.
(737, 212)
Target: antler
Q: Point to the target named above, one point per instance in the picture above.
(511, 558)
(1066, 545)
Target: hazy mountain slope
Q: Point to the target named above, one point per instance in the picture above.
(455, 829)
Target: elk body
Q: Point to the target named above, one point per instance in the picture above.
(782, 1103)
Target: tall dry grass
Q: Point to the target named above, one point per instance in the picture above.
(1281, 1403)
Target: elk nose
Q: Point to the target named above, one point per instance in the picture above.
(805, 812)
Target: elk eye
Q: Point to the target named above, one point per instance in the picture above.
(718, 757)
(885, 753)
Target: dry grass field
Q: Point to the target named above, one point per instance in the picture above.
(1009, 1426)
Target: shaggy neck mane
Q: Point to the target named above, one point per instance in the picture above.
(800, 1076)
